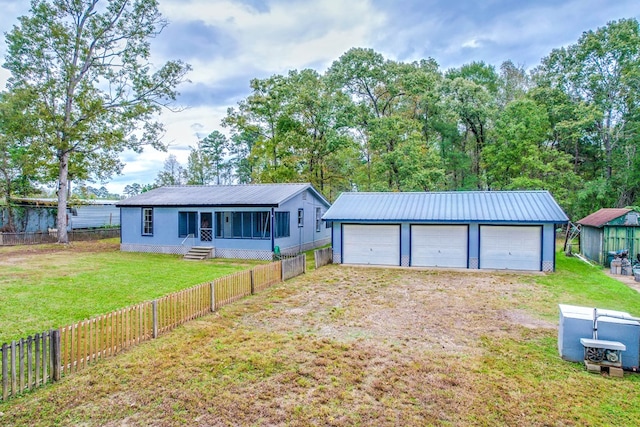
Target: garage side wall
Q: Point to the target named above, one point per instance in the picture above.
(549, 247)
(336, 242)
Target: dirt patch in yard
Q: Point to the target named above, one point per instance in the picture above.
(338, 346)
(11, 255)
(448, 311)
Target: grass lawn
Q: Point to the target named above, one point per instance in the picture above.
(361, 346)
(49, 286)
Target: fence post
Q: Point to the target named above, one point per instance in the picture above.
(14, 372)
(154, 305)
(55, 354)
(21, 365)
(5, 372)
(304, 263)
(30, 362)
(213, 295)
(253, 291)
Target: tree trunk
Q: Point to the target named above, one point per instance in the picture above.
(608, 145)
(63, 183)
(7, 199)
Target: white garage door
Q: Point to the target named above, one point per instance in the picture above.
(439, 245)
(371, 244)
(510, 247)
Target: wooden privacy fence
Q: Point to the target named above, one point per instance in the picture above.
(293, 267)
(323, 256)
(35, 361)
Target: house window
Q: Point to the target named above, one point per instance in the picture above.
(318, 218)
(187, 224)
(282, 224)
(147, 221)
(243, 225)
(300, 217)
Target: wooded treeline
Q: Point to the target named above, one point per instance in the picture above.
(367, 123)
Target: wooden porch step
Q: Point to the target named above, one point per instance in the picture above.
(198, 253)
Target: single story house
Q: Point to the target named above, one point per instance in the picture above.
(32, 215)
(236, 221)
(609, 229)
(512, 230)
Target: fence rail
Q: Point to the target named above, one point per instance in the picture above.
(34, 361)
(36, 238)
(323, 256)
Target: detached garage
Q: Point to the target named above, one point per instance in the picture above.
(512, 230)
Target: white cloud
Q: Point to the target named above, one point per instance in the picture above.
(472, 44)
(290, 35)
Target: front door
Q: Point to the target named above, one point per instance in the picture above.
(206, 227)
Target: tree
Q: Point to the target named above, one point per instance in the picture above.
(475, 108)
(208, 161)
(132, 190)
(19, 166)
(363, 75)
(393, 119)
(479, 73)
(215, 148)
(87, 64)
(198, 170)
(521, 157)
(602, 71)
(513, 83)
(172, 173)
(321, 117)
(264, 117)
(242, 161)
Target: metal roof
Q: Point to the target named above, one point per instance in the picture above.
(270, 195)
(454, 206)
(603, 216)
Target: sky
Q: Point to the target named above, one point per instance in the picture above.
(230, 42)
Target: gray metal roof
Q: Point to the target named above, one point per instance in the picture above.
(271, 195)
(454, 206)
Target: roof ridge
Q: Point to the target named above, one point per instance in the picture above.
(235, 185)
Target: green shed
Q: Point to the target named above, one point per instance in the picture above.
(609, 230)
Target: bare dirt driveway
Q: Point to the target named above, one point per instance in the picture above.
(342, 346)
